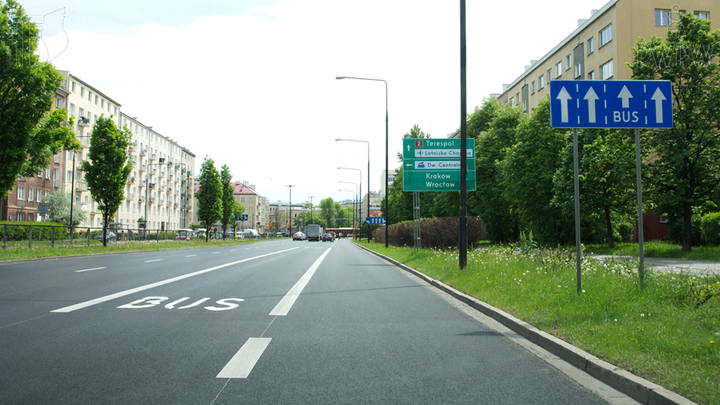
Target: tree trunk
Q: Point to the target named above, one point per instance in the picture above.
(608, 224)
(687, 227)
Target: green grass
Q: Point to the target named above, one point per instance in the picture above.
(658, 249)
(42, 250)
(654, 331)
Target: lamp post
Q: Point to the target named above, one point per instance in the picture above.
(311, 207)
(353, 192)
(359, 192)
(368, 176)
(387, 213)
(290, 186)
(354, 200)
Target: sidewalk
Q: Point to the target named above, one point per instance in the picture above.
(699, 267)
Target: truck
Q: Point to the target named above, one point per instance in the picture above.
(314, 232)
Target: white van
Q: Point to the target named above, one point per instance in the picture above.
(250, 234)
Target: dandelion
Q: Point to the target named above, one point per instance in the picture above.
(642, 315)
(615, 320)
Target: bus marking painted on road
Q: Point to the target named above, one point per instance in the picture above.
(157, 284)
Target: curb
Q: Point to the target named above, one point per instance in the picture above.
(638, 388)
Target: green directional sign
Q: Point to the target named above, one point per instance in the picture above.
(434, 164)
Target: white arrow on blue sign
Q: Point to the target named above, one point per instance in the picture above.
(611, 104)
(375, 220)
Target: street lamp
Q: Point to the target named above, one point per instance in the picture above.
(368, 173)
(353, 192)
(354, 200)
(290, 186)
(311, 207)
(359, 192)
(387, 213)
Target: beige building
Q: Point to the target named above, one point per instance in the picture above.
(86, 104)
(602, 45)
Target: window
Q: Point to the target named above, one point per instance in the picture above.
(31, 194)
(21, 193)
(73, 87)
(532, 87)
(541, 82)
(591, 75)
(578, 70)
(56, 177)
(39, 195)
(591, 45)
(72, 109)
(549, 77)
(702, 14)
(607, 70)
(89, 95)
(82, 91)
(558, 70)
(606, 35)
(82, 112)
(568, 62)
(662, 18)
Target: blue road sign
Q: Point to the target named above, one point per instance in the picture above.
(375, 220)
(611, 104)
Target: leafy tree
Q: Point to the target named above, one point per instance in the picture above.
(209, 195)
(237, 210)
(528, 171)
(107, 171)
(489, 201)
(479, 121)
(228, 199)
(687, 169)
(29, 133)
(59, 209)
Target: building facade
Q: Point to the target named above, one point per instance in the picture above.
(602, 45)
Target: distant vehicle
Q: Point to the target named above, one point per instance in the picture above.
(279, 235)
(328, 237)
(200, 233)
(299, 236)
(314, 232)
(111, 237)
(184, 234)
(250, 234)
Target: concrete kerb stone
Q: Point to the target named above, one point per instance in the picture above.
(638, 388)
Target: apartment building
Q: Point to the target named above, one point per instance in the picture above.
(601, 45)
(159, 189)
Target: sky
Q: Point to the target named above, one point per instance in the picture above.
(252, 83)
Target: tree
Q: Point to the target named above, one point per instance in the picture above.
(228, 199)
(209, 195)
(686, 172)
(108, 167)
(59, 209)
(29, 133)
(528, 171)
(489, 201)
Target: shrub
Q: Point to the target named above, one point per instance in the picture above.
(16, 231)
(710, 228)
(675, 230)
(434, 233)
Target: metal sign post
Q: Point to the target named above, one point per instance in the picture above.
(610, 104)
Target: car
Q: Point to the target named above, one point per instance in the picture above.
(111, 237)
(328, 237)
(299, 236)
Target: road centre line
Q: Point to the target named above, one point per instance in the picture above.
(157, 284)
(190, 255)
(153, 260)
(244, 360)
(283, 307)
(96, 268)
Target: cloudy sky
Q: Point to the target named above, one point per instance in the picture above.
(251, 83)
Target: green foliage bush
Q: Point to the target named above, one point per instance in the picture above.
(675, 230)
(15, 231)
(437, 233)
(710, 228)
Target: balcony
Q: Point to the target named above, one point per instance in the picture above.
(153, 171)
(81, 186)
(130, 197)
(141, 200)
(152, 200)
(132, 180)
(143, 168)
(162, 173)
(143, 152)
(153, 156)
(84, 122)
(84, 141)
(131, 148)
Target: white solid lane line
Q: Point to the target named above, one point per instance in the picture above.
(153, 260)
(96, 268)
(283, 307)
(244, 360)
(157, 284)
(190, 255)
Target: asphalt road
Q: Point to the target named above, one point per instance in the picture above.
(276, 322)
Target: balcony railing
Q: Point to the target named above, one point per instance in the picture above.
(83, 122)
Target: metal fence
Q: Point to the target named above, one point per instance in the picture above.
(40, 235)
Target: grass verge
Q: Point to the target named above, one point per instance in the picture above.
(97, 248)
(658, 249)
(655, 330)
